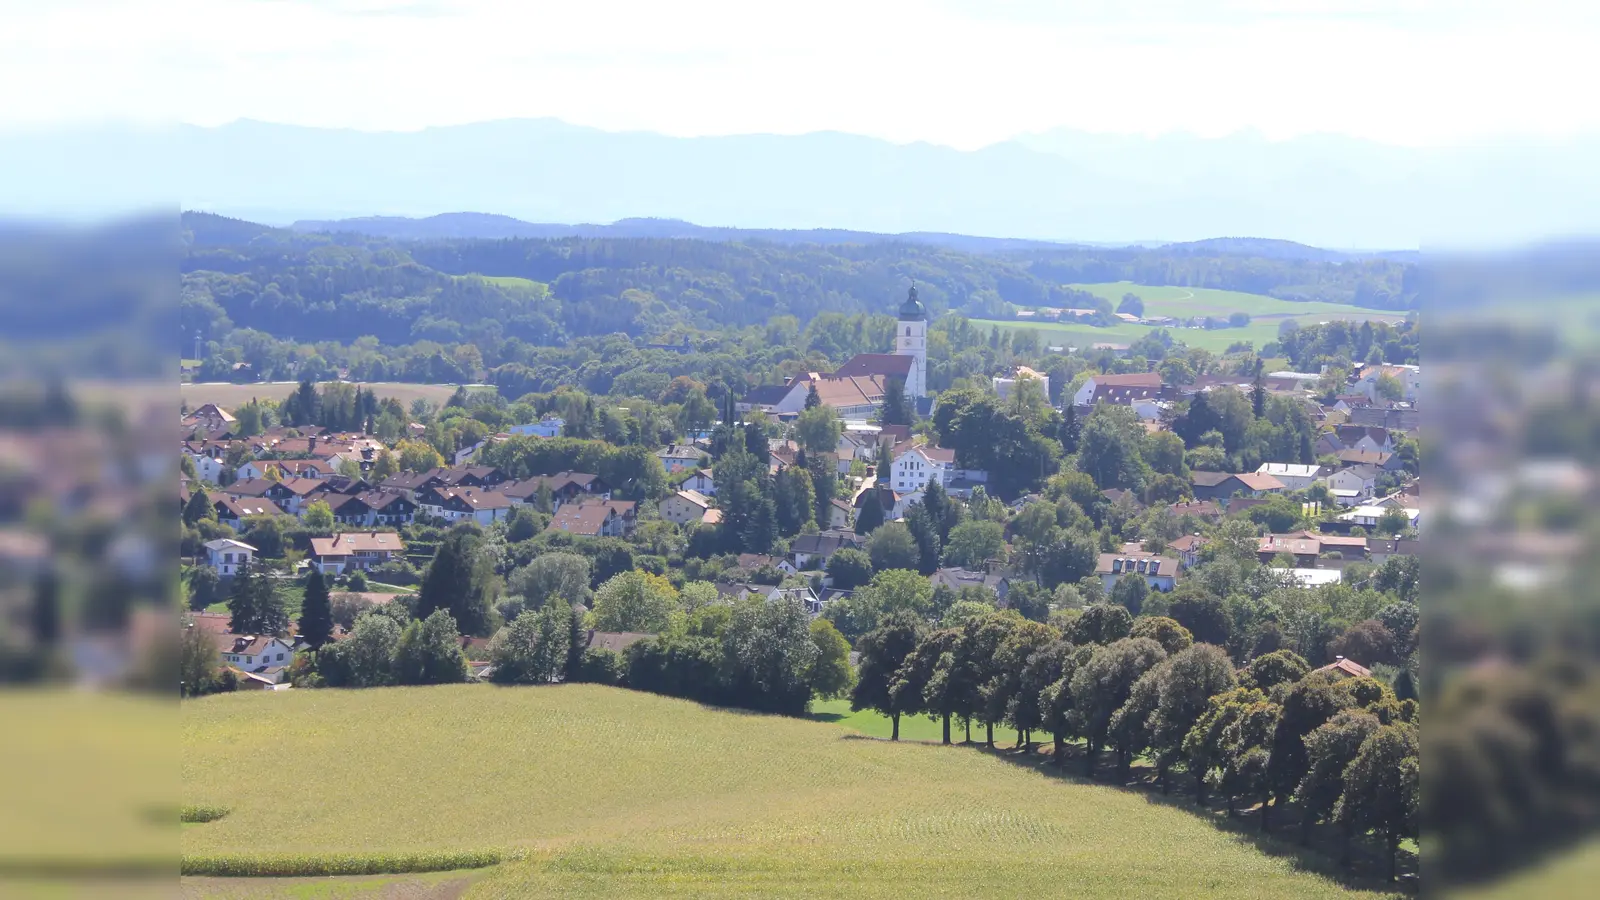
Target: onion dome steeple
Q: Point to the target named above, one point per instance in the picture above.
(912, 310)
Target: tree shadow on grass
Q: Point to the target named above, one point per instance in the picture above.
(826, 717)
(1367, 870)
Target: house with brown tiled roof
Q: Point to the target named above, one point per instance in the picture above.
(1188, 548)
(263, 657)
(409, 483)
(591, 518)
(564, 487)
(685, 507)
(1345, 668)
(1200, 509)
(233, 512)
(464, 504)
(351, 550)
(1150, 382)
(1225, 485)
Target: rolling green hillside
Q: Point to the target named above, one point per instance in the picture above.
(599, 792)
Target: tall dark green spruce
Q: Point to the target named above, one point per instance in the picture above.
(316, 611)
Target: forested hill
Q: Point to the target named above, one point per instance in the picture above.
(487, 225)
(318, 287)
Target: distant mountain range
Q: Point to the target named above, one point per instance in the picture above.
(1061, 186)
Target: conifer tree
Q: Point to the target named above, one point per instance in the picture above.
(316, 611)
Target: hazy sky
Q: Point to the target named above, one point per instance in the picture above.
(959, 72)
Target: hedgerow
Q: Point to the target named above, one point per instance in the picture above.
(246, 865)
(196, 814)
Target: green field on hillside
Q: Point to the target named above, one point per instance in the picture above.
(230, 396)
(1085, 336)
(510, 281)
(1182, 302)
(601, 792)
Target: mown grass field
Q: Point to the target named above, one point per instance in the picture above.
(229, 396)
(1267, 313)
(912, 728)
(1182, 302)
(611, 793)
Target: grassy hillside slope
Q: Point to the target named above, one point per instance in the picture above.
(620, 794)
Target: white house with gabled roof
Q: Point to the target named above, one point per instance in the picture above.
(227, 555)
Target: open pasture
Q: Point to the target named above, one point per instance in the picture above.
(601, 792)
(229, 396)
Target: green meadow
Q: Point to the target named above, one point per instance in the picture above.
(586, 791)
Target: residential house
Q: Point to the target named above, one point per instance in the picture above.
(1004, 384)
(409, 483)
(1188, 548)
(1099, 387)
(751, 562)
(1159, 572)
(703, 482)
(1384, 461)
(1353, 485)
(287, 468)
(1371, 438)
(685, 507)
(481, 477)
(1295, 477)
(1379, 550)
(1345, 668)
(1223, 485)
(207, 459)
(227, 555)
(956, 578)
(1410, 378)
(1404, 419)
(233, 512)
(258, 654)
(209, 419)
(808, 551)
(564, 487)
(388, 507)
(349, 509)
(739, 590)
(678, 457)
(355, 550)
(913, 469)
(546, 427)
(463, 504)
(1200, 509)
(839, 514)
(596, 518)
(1369, 516)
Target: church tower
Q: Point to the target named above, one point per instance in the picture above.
(911, 339)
